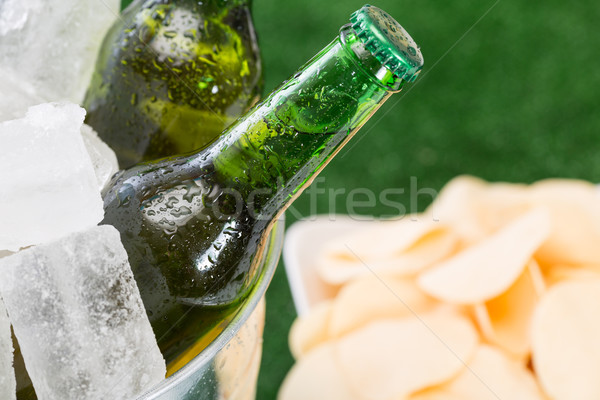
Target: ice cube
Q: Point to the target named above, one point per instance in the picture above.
(49, 187)
(53, 44)
(16, 96)
(103, 158)
(79, 319)
(13, 13)
(8, 385)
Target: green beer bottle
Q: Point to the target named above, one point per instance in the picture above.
(172, 75)
(194, 226)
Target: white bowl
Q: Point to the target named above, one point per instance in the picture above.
(302, 244)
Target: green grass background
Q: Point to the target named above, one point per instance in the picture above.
(508, 93)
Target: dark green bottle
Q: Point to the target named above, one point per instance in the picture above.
(194, 226)
(172, 75)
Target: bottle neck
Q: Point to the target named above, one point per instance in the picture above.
(275, 151)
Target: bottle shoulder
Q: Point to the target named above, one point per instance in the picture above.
(190, 228)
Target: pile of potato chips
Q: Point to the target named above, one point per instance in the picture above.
(492, 293)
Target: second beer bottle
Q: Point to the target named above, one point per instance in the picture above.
(172, 75)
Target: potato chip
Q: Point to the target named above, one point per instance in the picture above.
(367, 299)
(390, 358)
(485, 270)
(397, 247)
(316, 376)
(475, 208)
(310, 330)
(301, 247)
(436, 394)
(453, 205)
(558, 273)
(565, 334)
(505, 320)
(538, 281)
(385, 238)
(575, 218)
(490, 375)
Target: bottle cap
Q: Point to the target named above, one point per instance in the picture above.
(388, 42)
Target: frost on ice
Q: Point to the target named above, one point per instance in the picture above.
(79, 318)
